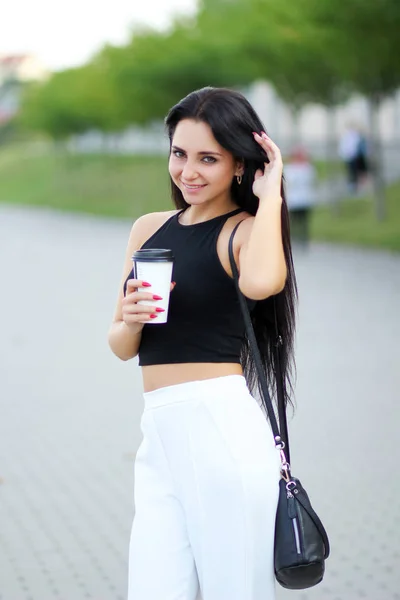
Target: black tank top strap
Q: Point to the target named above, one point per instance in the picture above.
(234, 212)
(231, 214)
(223, 220)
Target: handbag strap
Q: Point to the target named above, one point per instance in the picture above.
(280, 389)
(280, 434)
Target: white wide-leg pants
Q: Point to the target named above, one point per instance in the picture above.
(206, 491)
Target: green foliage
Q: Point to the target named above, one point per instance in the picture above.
(72, 101)
(155, 70)
(276, 43)
(311, 50)
(360, 41)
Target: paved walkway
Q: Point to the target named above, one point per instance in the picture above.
(69, 412)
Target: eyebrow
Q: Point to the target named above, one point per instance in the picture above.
(201, 153)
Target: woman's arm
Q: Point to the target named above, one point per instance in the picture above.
(123, 341)
(125, 333)
(262, 264)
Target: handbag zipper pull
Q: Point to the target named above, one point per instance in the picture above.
(291, 506)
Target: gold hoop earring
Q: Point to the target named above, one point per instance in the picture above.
(239, 179)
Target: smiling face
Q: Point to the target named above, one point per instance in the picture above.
(201, 168)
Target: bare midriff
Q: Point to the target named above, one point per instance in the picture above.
(159, 376)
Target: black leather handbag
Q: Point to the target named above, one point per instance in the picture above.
(301, 542)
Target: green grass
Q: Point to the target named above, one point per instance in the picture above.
(120, 186)
(129, 186)
(328, 170)
(325, 169)
(117, 186)
(356, 223)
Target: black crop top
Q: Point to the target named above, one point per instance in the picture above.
(205, 323)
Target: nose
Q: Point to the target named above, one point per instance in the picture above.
(189, 171)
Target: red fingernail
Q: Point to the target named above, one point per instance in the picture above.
(153, 316)
(173, 282)
(145, 284)
(155, 297)
(160, 310)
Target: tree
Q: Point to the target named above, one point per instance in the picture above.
(71, 101)
(361, 44)
(155, 70)
(276, 43)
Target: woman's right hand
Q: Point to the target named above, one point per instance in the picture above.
(135, 315)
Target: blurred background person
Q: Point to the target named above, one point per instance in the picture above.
(300, 177)
(353, 151)
(362, 160)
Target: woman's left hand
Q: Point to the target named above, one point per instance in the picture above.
(268, 183)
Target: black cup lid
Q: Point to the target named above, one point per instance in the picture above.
(153, 255)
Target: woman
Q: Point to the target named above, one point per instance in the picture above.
(207, 471)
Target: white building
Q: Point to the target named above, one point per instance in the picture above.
(314, 123)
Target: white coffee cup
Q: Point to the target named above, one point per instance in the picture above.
(154, 265)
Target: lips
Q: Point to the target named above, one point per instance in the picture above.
(193, 187)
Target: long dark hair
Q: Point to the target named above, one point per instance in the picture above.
(232, 120)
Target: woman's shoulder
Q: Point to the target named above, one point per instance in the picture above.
(246, 221)
(155, 218)
(146, 225)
